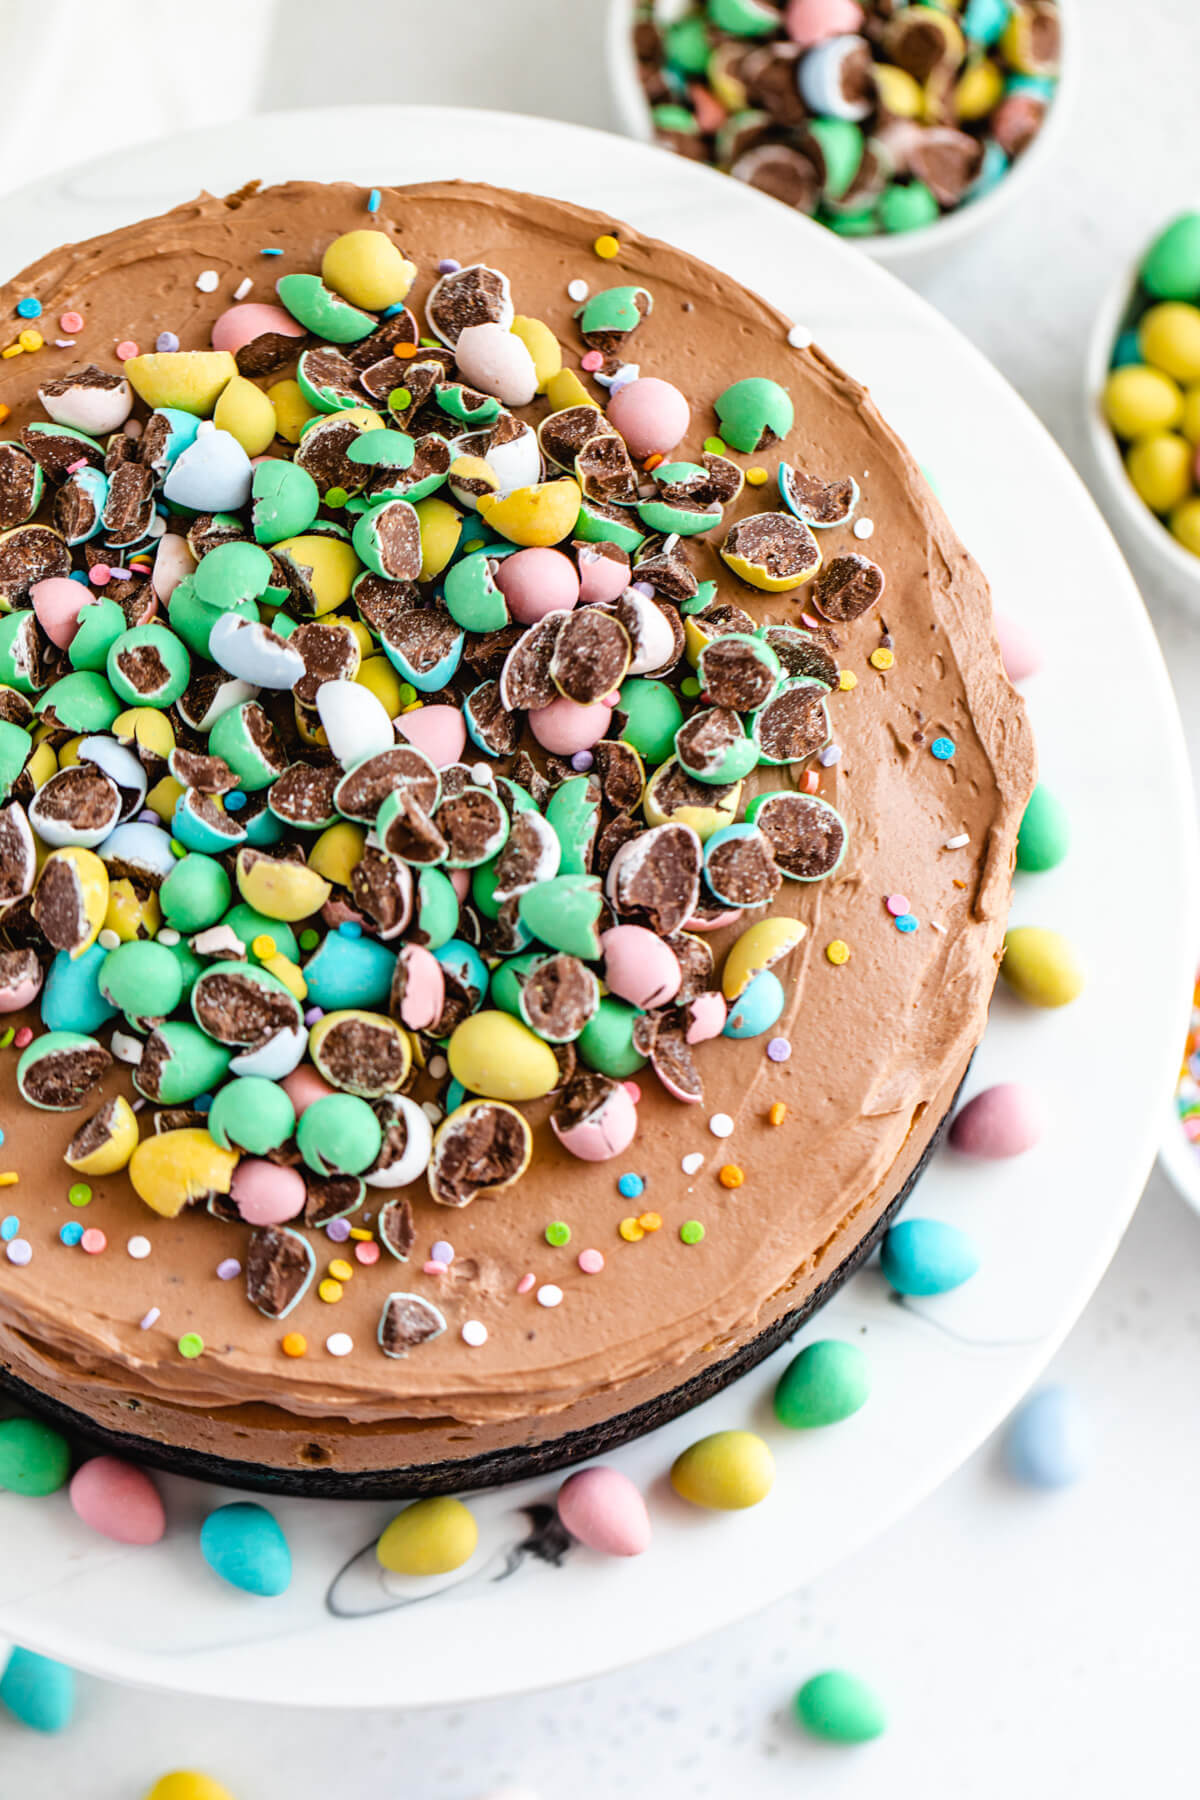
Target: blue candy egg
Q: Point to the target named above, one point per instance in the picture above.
(212, 475)
(924, 1256)
(756, 1008)
(71, 997)
(263, 829)
(180, 437)
(349, 971)
(984, 20)
(1047, 1444)
(464, 965)
(37, 1691)
(245, 1546)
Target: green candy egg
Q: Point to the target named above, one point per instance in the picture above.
(668, 516)
(614, 309)
(148, 666)
(142, 979)
(724, 1472)
(34, 1460)
(339, 1135)
(435, 909)
(250, 924)
(573, 814)
(191, 1064)
(191, 967)
(861, 221)
(744, 18)
(1045, 836)
(252, 1114)
(453, 400)
(387, 447)
(1171, 266)
(597, 524)
(606, 1041)
(231, 574)
(81, 702)
(653, 715)
(19, 660)
(907, 208)
(504, 989)
(483, 890)
(193, 619)
(687, 46)
(841, 143)
(195, 893)
(235, 736)
(754, 412)
(101, 623)
(73, 1062)
(1042, 966)
(564, 913)
(828, 1381)
(840, 1709)
(284, 501)
(472, 598)
(321, 311)
(15, 748)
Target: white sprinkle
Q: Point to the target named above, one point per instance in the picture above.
(578, 289)
(624, 375)
(957, 843)
(126, 1048)
(721, 1125)
(108, 939)
(20, 1251)
(693, 1162)
(64, 343)
(799, 337)
(208, 281)
(168, 936)
(132, 428)
(475, 1333)
(340, 1343)
(438, 1066)
(549, 1295)
(481, 774)
(864, 528)
(832, 753)
(432, 1111)
(936, 927)
(242, 288)
(151, 1318)
(138, 1248)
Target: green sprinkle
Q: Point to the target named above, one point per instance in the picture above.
(716, 446)
(191, 1344)
(431, 344)
(309, 939)
(408, 693)
(8, 1037)
(79, 1194)
(336, 496)
(689, 686)
(558, 1233)
(177, 849)
(398, 400)
(474, 544)
(691, 1231)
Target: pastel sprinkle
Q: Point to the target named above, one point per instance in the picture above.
(631, 1186)
(24, 1036)
(525, 1283)
(126, 349)
(433, 1268)
(93, 1241)
(631, 1230)
(882, 658)
(776, 1113)
(577, 290)
(606, 247)
(229, 1270)
(339, 1343)
(864, 528)
(137, 1247)
(71, 322)
(942, 748)
(294, 1344)
(757, 476)
(591, 1261)
(693, 1162)
(549, 1295)
(338, 1230)
(906, 923)
(957, 843)
(167, 341)
(366, 1254)
(374, 200)
(79, 1194)
(721, 1125)
(847, 680)
(208, 281)
(474, 1333)
(29, 308)
(30, 340)
(590, 361)
(149, 1319)
(837, 950)
(650, 1221)
(20, 1252)
(831, 754)
(243, 288)
(731, 1176)
(330, 1291)
(896, 904)
(558, 1233)
(190, 1345)
(341, 1270)
(779, 1049)
(442, 1252)
(715, 446)
(799, 337)
(70, 1233)
(9, 1228)
(448, 266)
(691, 1231)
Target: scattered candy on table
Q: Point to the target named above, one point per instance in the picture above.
(430, 1537)
(1005, 1120)
(724, 1472)
(244, 1544)
(1042, 966)
(840, 1708)
(188, 1784)
(37, 1691)
(34, 1458)
(118, 1500)
(604, 1510)
(1047, 1442)
(927, 1256)
(827, 1382)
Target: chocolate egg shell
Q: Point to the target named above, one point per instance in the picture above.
(595, 1119)
(59, 1069)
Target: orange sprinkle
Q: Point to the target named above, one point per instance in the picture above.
(652, 462)
(404, 351)
(731, 1176)
(4, 412)
(777, 1114)
(294, 1344)
(650, 1221)
(958, 883)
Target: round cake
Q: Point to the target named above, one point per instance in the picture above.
(508, 796)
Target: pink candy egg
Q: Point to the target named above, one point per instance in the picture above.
(1005, 1120)
(601, 577)
(650, 414)
(716, 923)
(302, 1087)
(606, 1131)
(118, 1500)
(603, 1509)
(495, 361)
(639, 967)
(1018, 650)
(565, 727)
(422, 993)
(460, 881)
(20, 994)
(706, 1016)
(265, 1193)
(437, 730)
(239, 325)
(809, 22)
(56, 604)
(537, 581)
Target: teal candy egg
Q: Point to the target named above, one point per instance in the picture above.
(253, 1114)
(1045, 835)
(654, 716)
(925, 1256)
(756, 1008)
(840, 1708)
(351, 971)
(38, 1692)
(244, 1544)
(983, 21)
(34, 1459)
(826, 1383)
(1171, 266)
(71, 996)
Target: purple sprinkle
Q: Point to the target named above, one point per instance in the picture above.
(229, 1270)
(779, 1049)
(20, 1251)
(313, 1014)
(151, 1318)
(146, 817)
(442, 1252)
(166, 340)
(582, 760)
(119, 574)
(338, 1230)
(448, 266)
(832, 753)
(643, 588)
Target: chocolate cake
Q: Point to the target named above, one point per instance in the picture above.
(508, 794)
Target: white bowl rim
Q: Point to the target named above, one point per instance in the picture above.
(890, 247)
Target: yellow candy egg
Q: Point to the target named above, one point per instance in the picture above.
(190, 380)
(1190, 422)
(130, 914)
(68, 753)
(146, 727)
(1160, 468)
(543, 514)
(246, 414)
(542, 346)
(338, 851)
(188, 1784)
(440, 525)
(368, 269)
(377, 674)
(495, 1055)
(172, 1168)
(899, 92)
(118, 1146)
(329, 564)
(280, 890)
(758, 947)
(291, 409)
(979, 91)
(473, 469)
(565, 389)
(1185, 524)
(1138, 400)
(1169, 336)
(725, 1472)
(362, 638)
(1042, 966)
(285, 970)
(430, 1537)
(41, 765)
(91, 887)
(704, 820)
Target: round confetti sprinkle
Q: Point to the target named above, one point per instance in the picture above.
(475, 1333)
(229, 1270)
(590, 361)
(799, 337)
(606, 247)
(721, 1125)
(906, 923)
(942, 748)
(208, 281)
(150, 1318)
(9, 1228)
(631, 1186)
(442, 1252)
(691, 1231)
(137, 1247)
(715, 446)
(294, 1344)
(731, 1176)
(93, 1241)
(330, 1291)
(582, 761)
(341, 1270)
(525, 1283)
(864, 528)
(190, 1345)
(757, 477)
(591, 1261)
(71, 322)
(693, 1162)
(339, 1343)
(847, 680)
(831, 754)
(263, 946)
(448, 266)
(779, 1049)
(577, 290)
(882, 659)
(30, 340)
(631, 1230)
(308, 939)
(776, 1113)
(338, 1230)
(29, 308)
(126, 349)
(837, 951)
(108, 939)
(19, 1251)
(366, 1254)
(23, 1037)
(558, 1233)
(166, 341)
(70, 1233)
(897, 904)
(79, 1194)
(549, 1295)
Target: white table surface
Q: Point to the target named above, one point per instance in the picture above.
(1024, 1643)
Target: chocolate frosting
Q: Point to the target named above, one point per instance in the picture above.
(877, 1045)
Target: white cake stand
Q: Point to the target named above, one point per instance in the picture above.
(945, 1371)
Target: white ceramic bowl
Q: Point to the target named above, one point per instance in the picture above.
(1127, 512)
(907, 252)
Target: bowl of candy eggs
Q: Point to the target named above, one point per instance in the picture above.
(1143, 382)
(903, 126)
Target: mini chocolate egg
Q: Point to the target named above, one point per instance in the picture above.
(652, 416)
(174, 1169)
(267, 1193)
(35, 1460)
(321, 311)
(758, 948)
(927, 1256)
(21, 982)
(179, 1062)
(1005, 1120)
(430, 1537)
(564, 913)
(809, 22)
(1018, 649)
(71, 997)
(355, 721)
(706, 1014)
(244, 1544)
(22, 483)
(757, 1007)
(653, 715)
(603, 574)
(537, 581)
(607, 1042)
(242, 323)
(105, 1142)
(254, 653)
(212, 475)
(754, 413)
(407, 1145)
(245, 412)
(118, 1500)
(339, 1135)
(346, 970)
(839, 1708)
(59, 1069)
(142, 980)
(725, 1472)
(542, 513)
(1041, 966)
(566, 727)
(275, 1058)
(639, 966)
(596, 1119)
(368, 269)
(188, 1784)
(1171, 266)
(285, 501)
(605, 1511)
(498, 1057)
(90, 400)
(78, 805)
(251, 1114)
(37, 1691)
(827, 1382)
(1048, 1443)
(494, 360)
